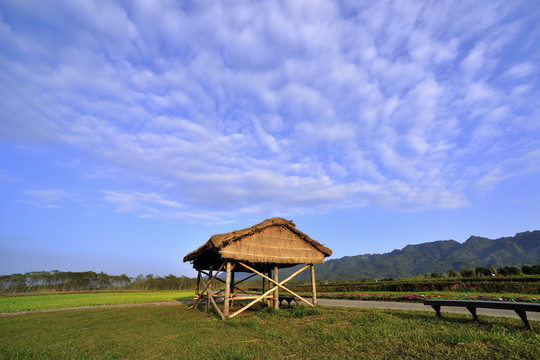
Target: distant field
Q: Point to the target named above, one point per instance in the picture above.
(296, 333)
(54, 301)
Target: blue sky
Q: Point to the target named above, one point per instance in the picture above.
(130, 132)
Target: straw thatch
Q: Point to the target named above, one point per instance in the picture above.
(274, 241)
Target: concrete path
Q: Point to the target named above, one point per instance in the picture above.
(421, 307)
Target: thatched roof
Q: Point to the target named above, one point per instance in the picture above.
(274, 241)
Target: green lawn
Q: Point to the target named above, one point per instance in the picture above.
(54, 301)
(176, 332)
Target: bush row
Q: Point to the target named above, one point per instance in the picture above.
(522, 284)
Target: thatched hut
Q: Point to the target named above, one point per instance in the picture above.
(261, 249)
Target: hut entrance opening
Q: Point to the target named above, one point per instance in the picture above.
(260, 251)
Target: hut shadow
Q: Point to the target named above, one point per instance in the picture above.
(254, 309)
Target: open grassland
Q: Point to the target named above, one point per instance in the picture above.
(55, 301)
(296, 333)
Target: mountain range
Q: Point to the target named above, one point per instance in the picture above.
(437, 256)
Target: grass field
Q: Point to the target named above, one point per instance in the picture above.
(298, 333)
(54, 301)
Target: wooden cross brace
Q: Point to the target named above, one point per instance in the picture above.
(234, 285)
(277, 285)
(207, 285)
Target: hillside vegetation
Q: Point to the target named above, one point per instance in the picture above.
(434, 257)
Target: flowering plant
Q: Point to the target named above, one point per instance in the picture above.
(422, 297)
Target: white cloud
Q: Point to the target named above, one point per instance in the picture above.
(48, 195)
(44, 198)
(475, 60)
(134, 202)
(520, 71)
(277, 105)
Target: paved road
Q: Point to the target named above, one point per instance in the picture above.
(416, 306)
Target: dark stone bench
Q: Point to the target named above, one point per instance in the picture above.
(288, 299)
(519, 307)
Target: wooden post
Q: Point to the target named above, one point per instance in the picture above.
(269, 302)
(227, 290)
(276, 293)
(208, 289)
(232, 280)
(198, 285)
(313, 287)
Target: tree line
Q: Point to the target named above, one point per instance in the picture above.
(88, 281)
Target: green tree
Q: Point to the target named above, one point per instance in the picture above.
(510, 270)
(453, 273)
(483, 271)
(466, 272)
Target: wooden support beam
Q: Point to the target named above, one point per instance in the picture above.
(269, 286)
(313, 286)
(280, 285)
(263, 296)
(276, 293)
(259, 298)
(227, 290)
(244, 279)
(266, 286)
(234, 284)
(200, 295)
(232, 280)
(242, 291)
(207, 285)
(208, 290)
(218, 279)
(198, 284)
(219, 292)
(251, 297)
(216, 307)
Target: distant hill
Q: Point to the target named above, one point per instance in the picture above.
(438, 256)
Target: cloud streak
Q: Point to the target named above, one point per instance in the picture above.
(46, 198)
